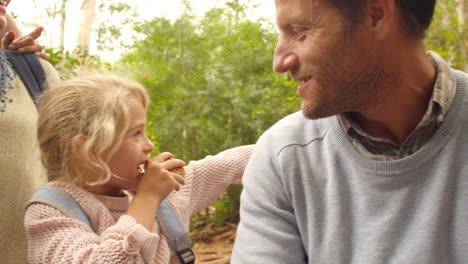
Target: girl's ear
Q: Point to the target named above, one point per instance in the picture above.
(77, 143)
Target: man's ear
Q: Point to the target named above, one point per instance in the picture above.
(77, 143)
(382, 17)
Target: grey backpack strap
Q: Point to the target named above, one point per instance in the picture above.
(61, 201)
(176, 233)
(169, 219)
(30, 70)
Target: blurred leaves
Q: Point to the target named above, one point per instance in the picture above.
(211, 81)
(68, 64)
(448, 34)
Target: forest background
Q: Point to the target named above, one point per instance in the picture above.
(210, 77)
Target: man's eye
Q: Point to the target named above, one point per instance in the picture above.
(137, 133)
(295, 32)
(298, 33)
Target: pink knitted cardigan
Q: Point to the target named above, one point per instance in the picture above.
(55, 238)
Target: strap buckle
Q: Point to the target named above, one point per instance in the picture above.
(186, 256)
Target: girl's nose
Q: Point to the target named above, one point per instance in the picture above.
(149, 146)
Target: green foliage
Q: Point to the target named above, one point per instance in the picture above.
(448, 36)
(68, 63)
(210, 80)
(115, 28)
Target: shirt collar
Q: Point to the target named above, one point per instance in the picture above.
(441, 100)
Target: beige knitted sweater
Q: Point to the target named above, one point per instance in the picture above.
(117, 238)
(21, 170)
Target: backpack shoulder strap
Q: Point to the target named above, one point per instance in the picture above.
(169, 219)
(175, 231)
(30, 70)
(61, 201)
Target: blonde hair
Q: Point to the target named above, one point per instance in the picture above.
(96, 107)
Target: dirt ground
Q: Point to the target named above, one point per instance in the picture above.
(214, 245)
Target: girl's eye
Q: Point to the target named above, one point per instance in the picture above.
(138, 133)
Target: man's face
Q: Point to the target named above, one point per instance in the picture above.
(338, 69)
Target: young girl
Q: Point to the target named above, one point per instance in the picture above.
(92, 139)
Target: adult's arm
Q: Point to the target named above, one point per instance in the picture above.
(11, 25)
(268, 231)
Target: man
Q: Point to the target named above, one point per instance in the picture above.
(374, 169)
(21, 170)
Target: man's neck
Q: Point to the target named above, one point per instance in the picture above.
(407, 97)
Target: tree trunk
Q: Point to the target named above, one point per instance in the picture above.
(63, 16)
(462, 12)
(87, 18)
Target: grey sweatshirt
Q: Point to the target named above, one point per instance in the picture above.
(310, 197)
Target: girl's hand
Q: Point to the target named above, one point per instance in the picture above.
(158, 182)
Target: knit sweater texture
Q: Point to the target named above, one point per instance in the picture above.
(117, 238)
(21, 170)
(310, 197)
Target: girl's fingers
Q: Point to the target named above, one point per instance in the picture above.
(180, 179)
(177, 187)
(162, 157)
(172, 164)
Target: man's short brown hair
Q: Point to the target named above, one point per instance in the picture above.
(416, 14)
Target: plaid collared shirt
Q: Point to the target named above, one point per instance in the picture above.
(383, 149)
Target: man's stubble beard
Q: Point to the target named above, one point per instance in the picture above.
(342, 89)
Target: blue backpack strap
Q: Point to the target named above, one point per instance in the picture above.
(30, 70)
(175, 231)
(61, 201)
(169, 219)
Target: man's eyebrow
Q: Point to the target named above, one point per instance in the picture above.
(298, 19)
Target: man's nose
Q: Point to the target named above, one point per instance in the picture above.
(285, 59)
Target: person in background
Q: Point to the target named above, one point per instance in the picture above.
(93, 142)
(21, 170)
(374, 168)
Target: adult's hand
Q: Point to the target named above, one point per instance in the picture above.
(5, 2)
(24, 44)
